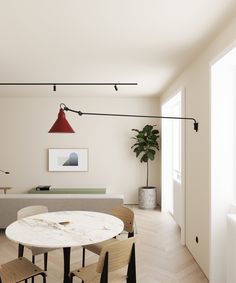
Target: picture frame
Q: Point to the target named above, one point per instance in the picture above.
(67, 159)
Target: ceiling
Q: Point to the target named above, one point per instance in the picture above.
(143, 41)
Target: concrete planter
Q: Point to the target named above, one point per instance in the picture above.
(147, 197)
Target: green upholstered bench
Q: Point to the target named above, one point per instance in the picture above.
(69, 191)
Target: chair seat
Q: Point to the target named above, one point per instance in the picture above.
(96, 248)
(38, 250)
(21, 269)
(6, 278)
(88, 274)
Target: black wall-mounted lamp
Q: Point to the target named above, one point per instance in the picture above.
(62, 125)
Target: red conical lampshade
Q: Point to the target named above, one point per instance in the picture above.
(61, 125)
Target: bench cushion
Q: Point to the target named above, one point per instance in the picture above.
(69, 191)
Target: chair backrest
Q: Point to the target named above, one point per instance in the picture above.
(126, 215)
(119, 254)
(31, 210)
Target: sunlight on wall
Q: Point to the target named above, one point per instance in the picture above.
(171, 151)
(222, 160)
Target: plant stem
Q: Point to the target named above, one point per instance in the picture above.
(147, 173)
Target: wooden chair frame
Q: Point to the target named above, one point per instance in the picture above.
(131, 271)
(19, 270)
(26, 212)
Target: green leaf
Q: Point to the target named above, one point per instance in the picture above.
(152, 151)
(136, 130)
(144, 158)
(134, 145)
(148, 128)
(150, 155)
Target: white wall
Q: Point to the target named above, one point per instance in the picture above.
(24, 124)
(196, 80)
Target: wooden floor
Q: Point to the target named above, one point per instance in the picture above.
(159, 255)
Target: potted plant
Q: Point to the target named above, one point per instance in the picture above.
(145, 147)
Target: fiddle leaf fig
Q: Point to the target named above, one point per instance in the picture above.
(146, 144)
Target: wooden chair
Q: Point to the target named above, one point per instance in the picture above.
(20, 269)
(127, 216)
(113, 256)
(29, 211)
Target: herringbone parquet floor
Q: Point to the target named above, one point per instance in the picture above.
(160, 256)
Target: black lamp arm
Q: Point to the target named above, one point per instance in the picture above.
(195, 124)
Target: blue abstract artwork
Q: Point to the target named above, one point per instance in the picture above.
(72, 160)
(68, 159)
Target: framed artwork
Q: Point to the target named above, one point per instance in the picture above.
(68, 159)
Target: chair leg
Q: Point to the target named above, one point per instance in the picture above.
(44, 277)
(20, 250)
(83, 257)
(83, 261)
(104, 274)
(131, 273)
(33, 261)
(130, 234)
(71, 278)
(45, 261)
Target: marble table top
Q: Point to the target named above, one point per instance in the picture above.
(64, 229)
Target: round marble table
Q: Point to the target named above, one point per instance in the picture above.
(64, 229)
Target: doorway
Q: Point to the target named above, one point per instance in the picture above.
(173, 160)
